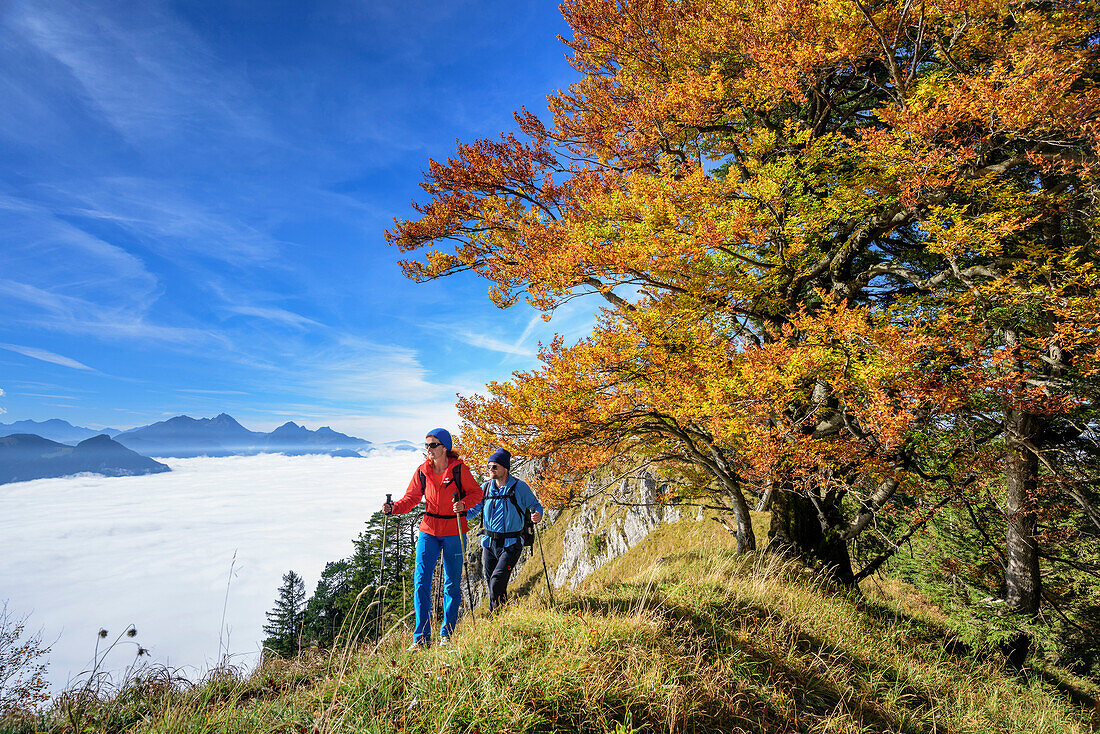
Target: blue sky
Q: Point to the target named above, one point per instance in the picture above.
(193, 196)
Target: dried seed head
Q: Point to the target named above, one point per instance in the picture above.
(102, 633)
(131, 632)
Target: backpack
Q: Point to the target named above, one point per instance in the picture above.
(527, 534)
(457, 484)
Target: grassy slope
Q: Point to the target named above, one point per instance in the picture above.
(678, 635)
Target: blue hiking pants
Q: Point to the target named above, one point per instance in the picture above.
(428, 549)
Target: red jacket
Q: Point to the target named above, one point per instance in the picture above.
(437, 492)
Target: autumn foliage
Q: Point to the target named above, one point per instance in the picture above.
(848, 252)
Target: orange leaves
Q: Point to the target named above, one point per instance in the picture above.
(1026, 76)
(637, 390)
(789, 44)
(662, 387)
(816, 224)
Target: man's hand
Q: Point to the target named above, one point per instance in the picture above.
(387, 508)
(458, 506)
(536, 517)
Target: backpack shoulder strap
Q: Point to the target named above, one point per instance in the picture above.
(456, 475)
(511, 495)
(424, 487)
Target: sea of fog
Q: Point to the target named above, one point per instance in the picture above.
(159, 552)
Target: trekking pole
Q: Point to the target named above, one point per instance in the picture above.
(382, 561)
(545, 573)
(462, 542)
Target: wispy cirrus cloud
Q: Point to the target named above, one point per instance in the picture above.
(60, 277)
(148, 75)
(71, 315)
(196, 192)
(47, 356)
(164, 217)
(484, 341)
(361, 371)
(278, 315)
(198, 391)
(41, 247)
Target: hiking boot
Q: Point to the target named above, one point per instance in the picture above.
(417, 646)
(444, 641)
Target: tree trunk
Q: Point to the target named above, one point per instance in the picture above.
(719, 468)
(746, 536)
(798, 528)
(1023, 585)
(764, 503)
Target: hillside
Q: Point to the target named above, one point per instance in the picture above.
(25, 456)
(679, 634)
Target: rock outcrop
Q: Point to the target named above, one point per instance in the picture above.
(603, 529)
(593, 534)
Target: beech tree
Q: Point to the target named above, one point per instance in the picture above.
(847, 249)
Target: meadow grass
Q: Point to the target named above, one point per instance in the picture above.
(679, 635)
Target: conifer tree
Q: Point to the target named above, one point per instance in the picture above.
(284, 621)
(358, 597)
(323, 616)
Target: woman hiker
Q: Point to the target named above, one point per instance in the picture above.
(441, 475)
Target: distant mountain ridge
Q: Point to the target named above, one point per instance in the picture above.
(55, 429)
(25, 456)
(184, 436)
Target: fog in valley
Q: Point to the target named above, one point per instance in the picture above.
(83, 553)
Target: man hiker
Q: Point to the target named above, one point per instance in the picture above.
(504, 509)
(442, 475)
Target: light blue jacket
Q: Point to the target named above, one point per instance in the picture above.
(500, 513)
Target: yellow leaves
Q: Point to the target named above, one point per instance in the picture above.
(957, 233)
(616, 186)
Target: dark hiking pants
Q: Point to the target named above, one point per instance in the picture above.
(498, 562)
